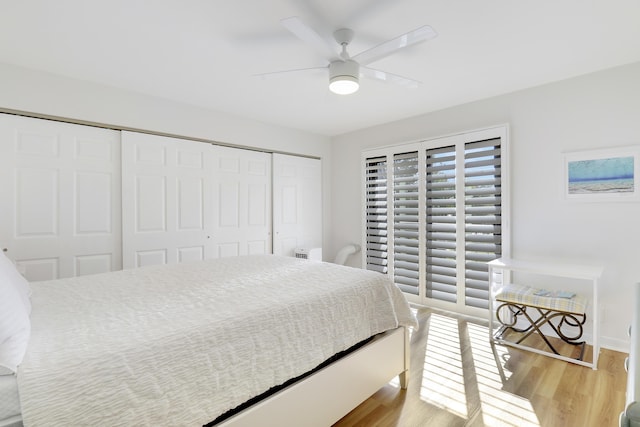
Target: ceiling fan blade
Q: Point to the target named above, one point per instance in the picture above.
(389, 77)
(310, 36)
(391, 46)
(278, 73)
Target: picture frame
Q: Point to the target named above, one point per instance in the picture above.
(605, 175)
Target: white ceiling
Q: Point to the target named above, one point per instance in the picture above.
(205, 52)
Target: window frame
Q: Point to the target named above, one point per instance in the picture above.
(458, 140)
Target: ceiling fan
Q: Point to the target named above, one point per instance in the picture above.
(345, 70)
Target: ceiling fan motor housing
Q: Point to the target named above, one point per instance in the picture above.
(344, 73)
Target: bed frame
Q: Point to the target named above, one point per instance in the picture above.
(328, 395)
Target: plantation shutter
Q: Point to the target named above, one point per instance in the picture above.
(483, 217)
(441, 224)
(376, 213)
(406, 221)
(436, 211)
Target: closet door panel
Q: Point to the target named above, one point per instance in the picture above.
(190, 203)
(87, 264)
(166, 195)
(94, 210)
(186, 200)
(36, 197)
(59, 197)
(38, 268)
(190, 254)
(228, 206)
(150, 257)
(150, 204)
(297, 203)
(242, 207)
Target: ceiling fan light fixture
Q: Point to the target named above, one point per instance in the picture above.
(344, 77)
(344, 85)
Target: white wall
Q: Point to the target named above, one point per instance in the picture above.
(45, 94)
(589, 112)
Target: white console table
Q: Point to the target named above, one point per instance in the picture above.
(502, 268)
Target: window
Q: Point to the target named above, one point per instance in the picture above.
(436, 214)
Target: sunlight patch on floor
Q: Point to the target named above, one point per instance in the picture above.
(498, 407)
(395, 382)
(443, 377)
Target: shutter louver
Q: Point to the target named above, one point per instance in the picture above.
(483, 217)
(376, 214)
(405, 222)
(441, 224)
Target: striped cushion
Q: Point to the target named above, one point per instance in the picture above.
(525, 295)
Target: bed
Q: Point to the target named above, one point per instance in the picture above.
(187, 343)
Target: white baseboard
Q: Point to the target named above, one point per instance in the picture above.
(614, 344)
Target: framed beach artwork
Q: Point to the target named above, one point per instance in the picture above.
(603, 175)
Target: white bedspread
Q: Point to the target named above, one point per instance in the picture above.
(179, 345)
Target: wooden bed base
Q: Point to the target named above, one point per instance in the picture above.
(326, 396)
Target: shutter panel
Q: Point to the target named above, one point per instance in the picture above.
(405, 222)
(376, 213)
(483, 217)
(441, 223)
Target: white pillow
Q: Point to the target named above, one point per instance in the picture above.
(15, 326)
(8, 270)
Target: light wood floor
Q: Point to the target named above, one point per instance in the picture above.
(457, 380)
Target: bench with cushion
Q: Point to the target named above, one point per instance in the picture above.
(526, 310)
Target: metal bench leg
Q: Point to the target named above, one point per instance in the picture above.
(545, 316)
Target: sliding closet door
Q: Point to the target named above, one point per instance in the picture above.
(297, 203)
(166, 200)
(241, 202)
(59, 197)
